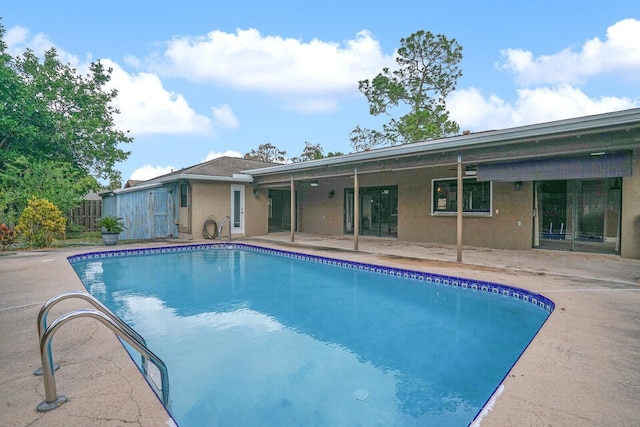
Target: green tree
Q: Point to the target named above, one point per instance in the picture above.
(310, 152)
(427, 73)
(267, 153)
(314, 152)
(54, 119)
(57, 181)
(71, 116)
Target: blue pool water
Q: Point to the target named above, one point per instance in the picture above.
(259, 337)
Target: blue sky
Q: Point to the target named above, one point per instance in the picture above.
(198, 79)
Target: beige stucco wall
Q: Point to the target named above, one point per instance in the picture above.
(214, 199)
(256, 219)
(208, 198)
(317, 212)
(630, 224)
(509, 227)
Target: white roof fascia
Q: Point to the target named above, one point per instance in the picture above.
(540, 130)
(159, 182)
(134, 188)
(237, 177)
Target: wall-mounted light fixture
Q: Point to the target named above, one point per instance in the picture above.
(256, 192)
(470, 170)
(517, 186)
(314, 183)
(331, 194)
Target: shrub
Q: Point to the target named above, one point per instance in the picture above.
(7, 237)
(74, 229)
(41, 223)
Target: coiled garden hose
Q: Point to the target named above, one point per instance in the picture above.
(205, 228)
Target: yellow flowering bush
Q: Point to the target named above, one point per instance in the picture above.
(41, 223)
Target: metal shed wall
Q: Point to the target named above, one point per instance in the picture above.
(147, 213)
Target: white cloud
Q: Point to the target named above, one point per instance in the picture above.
(146, 107)
(148, 172)
(274, 64)
(550, 83)
(474, 110)
(214, 155)
(225, 117)
(18, 39)
(618, 54)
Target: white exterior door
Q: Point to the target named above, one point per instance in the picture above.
(237, 209)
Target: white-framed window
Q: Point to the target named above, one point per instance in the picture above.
(477, 197)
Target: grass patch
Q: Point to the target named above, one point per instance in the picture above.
(73, 240)
(84, 238)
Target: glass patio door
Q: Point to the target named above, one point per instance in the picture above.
(378, 211)
(578, 215)
(237, 209)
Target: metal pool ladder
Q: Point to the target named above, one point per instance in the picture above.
(222, 225)
(109, 319)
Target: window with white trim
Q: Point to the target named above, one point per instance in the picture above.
(476, 196)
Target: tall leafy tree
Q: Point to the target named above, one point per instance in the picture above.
(53, 118)
(73, 115)
(56, 181)
(427, 73)
(314, 152)
(267, 153)
(310, 152)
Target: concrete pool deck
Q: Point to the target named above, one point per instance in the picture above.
(583, 367)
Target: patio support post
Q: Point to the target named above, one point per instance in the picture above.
(293, 209)
(356, 209)
(460, 208)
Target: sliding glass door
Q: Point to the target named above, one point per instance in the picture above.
(378, 211)
(578, 215)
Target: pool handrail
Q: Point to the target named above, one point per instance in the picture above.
(113, 322)
(52, 400)
(44, 312)
(227, 217)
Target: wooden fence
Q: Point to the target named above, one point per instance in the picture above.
(86, 214)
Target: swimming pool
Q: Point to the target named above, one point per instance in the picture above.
(255, 336)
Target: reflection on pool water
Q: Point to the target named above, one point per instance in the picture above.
(262, 337)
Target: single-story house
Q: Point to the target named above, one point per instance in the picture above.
(570, 184)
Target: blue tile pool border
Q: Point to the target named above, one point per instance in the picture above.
(471, 284)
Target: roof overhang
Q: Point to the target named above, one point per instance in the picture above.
(579, 136)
